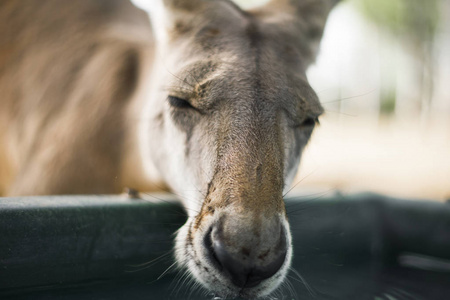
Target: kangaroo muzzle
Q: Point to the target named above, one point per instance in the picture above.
(245, 253)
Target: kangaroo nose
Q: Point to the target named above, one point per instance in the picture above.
(248, 267)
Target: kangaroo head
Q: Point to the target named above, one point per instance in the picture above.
(228, 115)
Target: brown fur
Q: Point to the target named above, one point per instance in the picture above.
(68, 75)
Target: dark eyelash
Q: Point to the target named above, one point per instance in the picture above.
(178, 102)
(310, 122)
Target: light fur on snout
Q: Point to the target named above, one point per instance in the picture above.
(192, 255)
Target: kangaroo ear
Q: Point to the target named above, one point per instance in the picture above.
(186, 5)
(169, 16)
(307, 17)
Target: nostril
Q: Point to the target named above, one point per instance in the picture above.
(211, 254)
(235, 269)
(277, 262)
(273, 267)
(244, 271)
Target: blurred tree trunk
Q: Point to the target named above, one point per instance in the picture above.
(413, 23)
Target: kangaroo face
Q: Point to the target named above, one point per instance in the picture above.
(228, 115)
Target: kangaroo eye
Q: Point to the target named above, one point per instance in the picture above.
(178, 102)
(310, 122)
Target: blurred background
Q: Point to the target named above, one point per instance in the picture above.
(382, 76)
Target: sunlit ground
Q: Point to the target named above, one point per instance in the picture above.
(394, 158)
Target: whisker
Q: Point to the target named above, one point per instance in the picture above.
(324, 90)
(286, 284)
(173, 87)
(303, 281)
(341, 113)
(186, 281)
(170, 202)
(299, 182)
(167, 270)
(149, 262)
(306, 197)
(291, 289)
(178, 213)
(182, 80)
(351, 97)
(199, 201)
(304, 208)
(302, 200)
(190, 285)
(176, 280)
(147, 265)
(195, 78)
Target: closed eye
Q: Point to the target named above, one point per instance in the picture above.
(310, 122)
(179, 103)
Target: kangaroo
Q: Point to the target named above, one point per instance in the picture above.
(218, 109)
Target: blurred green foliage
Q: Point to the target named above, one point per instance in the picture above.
(387, 102)
(416, 20)
(413, 24)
